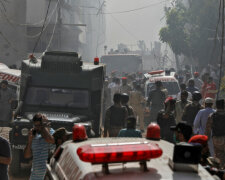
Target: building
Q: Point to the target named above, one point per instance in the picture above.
(71, 25)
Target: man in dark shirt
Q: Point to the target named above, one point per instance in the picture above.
(5, 158)
(155, 101)
(191, 86)
(115, 117)
(191, 109)
(166, 118)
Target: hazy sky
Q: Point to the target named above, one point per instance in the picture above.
(130, 27)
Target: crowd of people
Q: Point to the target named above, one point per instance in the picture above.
(196, 115)
(195, 112)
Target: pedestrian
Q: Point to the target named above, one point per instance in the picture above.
(183, 88)
(156, 99)
(124, 102)
(211, 89)
(205, 78)
(5, 158)
(197, 80)
(182, 132)
(115, 118)
(6, 98)
(166, 119)
(61, 135)
(131, 130)
(137, 101)
(216, 126)
(180, 105)
(191, 110)
(125, 88)
(38, 146)
(201, 120)
(191, 86)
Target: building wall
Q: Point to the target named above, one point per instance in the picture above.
(13, 44)
(88, 41)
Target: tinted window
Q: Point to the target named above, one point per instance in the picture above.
(57, 97)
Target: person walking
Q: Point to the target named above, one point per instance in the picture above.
(125, 88)
(201, 120)
(183, 87)
(5, 158)
(6, 98)
(211, 89)
(191, 86)
(180, 105)
(156, 99)
(166, 119)
(137, 101)
(38, 146)
(115, 118)
(191, 110)
(216, 126)
(197, 80)
(124, 102)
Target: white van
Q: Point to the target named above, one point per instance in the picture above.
(168, 80)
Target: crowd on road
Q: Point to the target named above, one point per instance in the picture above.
(196, 115)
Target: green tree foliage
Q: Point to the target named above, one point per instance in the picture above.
(190, 30)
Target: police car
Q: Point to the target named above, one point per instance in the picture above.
(117, 158)
(168, 80)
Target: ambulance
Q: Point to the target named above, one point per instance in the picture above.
(12, 76)
(169, 82)
(124, 158)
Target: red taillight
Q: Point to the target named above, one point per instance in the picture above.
(111, 153)
(16, 134)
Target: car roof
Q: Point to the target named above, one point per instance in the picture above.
(69, 164)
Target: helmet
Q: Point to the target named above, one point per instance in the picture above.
(79, 132)
(196, 96)
(153, 132)
(124, 98)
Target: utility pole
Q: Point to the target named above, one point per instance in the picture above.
(59, 22)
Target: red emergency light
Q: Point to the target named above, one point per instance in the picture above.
(156, 72)
(96, 61)
(118, 152)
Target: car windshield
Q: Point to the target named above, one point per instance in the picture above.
(172, 87)
(57, 97)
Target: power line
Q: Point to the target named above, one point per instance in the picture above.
(127, 11)
(53, 32)
(136, 9)
(42, 29)
(9, 43)
(124, 28)
(12, 22)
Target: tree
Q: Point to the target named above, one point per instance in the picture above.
(189, 28)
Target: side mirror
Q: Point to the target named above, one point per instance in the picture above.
(14, 104)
